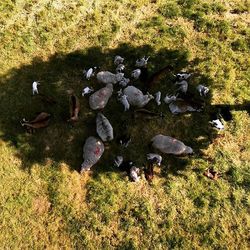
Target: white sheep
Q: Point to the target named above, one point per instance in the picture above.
(123, 99)
(141, 62)
(136, 98)
(107, 77)
(170, 98)
(202, 90)
(158, 98)
(118, 60)
(35, 88)
(136, 74)
(87, 90)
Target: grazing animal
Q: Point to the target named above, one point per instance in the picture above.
(118, 60)
(136, 74)
(142, 62)
(89, 73)
(74, 108)
(183, 86)
(136, 98)
(182, 76)
(124, 82)
(202, 90)
(103, 128)
(217, 124)
(35, 88)
(170, 145)
(170, 98)
(123, 99)
(87, 90)
(156, 76)
(182, 106)
(134, 174)
(41, 121)
(100, 98)
(158, 98)
(118, 161)
(156, 158)
(107, 77)
(47, 99)
(120, 68)
(92, 152)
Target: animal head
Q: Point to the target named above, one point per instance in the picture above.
(182, 76)
(119, 76)
(188, 150)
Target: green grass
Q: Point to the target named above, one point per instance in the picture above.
(46, 203)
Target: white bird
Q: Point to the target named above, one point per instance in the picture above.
(217, 124)
(158, 98)
(35, 88)
(141, 62)
(87, 90)
(170, 98)
(89, 73)
(118, 160)
(118, 60)
(120, 68)
(183, 76)
(136, 74)
(123, 99)
(134, 171)
(202, 90)
(157, 157)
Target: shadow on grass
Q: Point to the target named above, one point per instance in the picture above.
(60, 142)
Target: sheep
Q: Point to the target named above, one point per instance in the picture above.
(217, 124)
(183, 86)
(158, 98)
(118, 60)
(135, 96)
(100, 98)
(120, 68)
(35, 87)
(142, 62)
(123, 99)
(92, 152)
(170, 145)
(136, 74)
(134, 172)
(107, 77)
(170, 98)
(89, 73)
(202, 90)
(41, 121)
(87, 90)
(103, 128)
(74, 105)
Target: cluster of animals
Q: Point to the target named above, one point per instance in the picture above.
(129, 96)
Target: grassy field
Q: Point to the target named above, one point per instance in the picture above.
(46, 203)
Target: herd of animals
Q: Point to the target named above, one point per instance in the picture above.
(130, 96)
